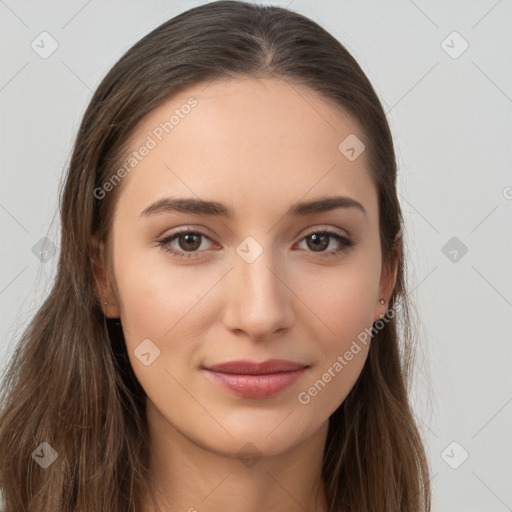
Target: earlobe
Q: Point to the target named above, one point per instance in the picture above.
(104, 292)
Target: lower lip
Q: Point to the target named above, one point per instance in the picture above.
(256, 386)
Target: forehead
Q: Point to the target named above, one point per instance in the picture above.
(246, 139)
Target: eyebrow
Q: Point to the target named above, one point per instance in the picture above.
(198, 206)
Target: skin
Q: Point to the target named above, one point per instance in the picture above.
(258, 146)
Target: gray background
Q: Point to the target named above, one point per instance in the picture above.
(451, 119)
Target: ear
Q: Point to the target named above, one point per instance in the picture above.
(104, 289)
(388, 278)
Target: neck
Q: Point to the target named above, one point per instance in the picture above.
(187, 477)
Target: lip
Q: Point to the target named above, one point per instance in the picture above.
(251, 379)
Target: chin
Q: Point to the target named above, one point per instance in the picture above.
(263, 433)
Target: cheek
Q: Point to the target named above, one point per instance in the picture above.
(162, 305)
(345, 307)
(341, 301)
(156, 296)
(171, 306)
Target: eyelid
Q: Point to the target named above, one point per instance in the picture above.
(326, 227)
(194, 228)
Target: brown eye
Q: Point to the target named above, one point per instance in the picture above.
(185, 243)
(189, 241)
(318, 242)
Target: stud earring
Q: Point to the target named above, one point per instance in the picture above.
(382, 301)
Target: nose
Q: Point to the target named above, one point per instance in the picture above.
(258, 302)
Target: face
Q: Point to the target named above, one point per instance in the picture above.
(248, 278)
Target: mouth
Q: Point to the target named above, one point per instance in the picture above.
(251, 379)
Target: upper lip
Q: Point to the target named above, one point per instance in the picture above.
(248, 367)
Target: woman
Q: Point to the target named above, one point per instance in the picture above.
(222, 330)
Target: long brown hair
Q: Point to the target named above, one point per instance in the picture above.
(70, 383)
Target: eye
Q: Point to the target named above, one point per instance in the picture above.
(188, 243)
(319, 241)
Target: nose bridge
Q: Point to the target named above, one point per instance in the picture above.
(259, 303)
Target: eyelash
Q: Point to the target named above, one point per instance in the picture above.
(164, 242)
